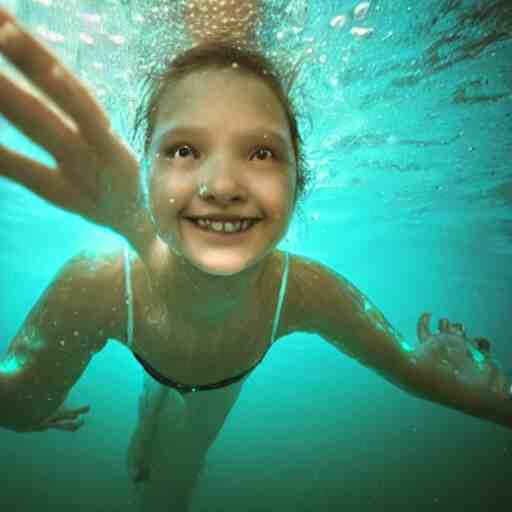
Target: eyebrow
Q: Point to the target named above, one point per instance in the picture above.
(274, 135)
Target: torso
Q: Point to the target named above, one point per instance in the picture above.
(194, 354)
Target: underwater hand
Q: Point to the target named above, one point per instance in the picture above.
(63, 419)
(452, 352)
(97, 174)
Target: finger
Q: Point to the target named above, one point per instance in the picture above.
(68, 426)
(73, 413)
(83, 410)
(67, 414)
(36, 119)
(45, 70)
(444, 325)
(43, 181)
(423, 327)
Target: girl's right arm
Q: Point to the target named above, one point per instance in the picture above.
(70, 323)
(96, 174)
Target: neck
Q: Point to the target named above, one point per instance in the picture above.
(202, 296)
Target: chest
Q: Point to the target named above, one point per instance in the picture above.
(197, 353)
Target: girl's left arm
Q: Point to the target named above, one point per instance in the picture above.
(446, 368)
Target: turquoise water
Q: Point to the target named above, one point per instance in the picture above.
(409, 129)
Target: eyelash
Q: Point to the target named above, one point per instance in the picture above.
(172, 150)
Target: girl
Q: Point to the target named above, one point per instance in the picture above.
(203, 292)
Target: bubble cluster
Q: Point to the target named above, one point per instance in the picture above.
(231, 20)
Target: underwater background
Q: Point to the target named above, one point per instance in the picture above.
(407, 119)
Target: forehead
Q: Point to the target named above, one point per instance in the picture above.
(204, 92)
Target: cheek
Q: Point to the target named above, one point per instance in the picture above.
(162, 197)
(278, 197)
(163, 186)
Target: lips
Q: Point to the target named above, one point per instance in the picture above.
(222, 233)
(223, 219)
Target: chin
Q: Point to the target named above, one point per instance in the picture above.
(223, 265)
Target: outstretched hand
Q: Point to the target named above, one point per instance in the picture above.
(468, 359)
(97, 174)
(62, 419)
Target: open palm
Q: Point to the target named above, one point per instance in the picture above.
(97, 174)
(467, 359)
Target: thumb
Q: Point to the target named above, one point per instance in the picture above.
(423, 327)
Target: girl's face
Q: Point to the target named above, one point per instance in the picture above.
(221, 147)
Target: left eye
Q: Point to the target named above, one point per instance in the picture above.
(173, 150)
(261, 151)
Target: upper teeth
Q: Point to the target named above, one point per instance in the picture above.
(228, 227)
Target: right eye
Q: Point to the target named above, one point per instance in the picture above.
(183, 150)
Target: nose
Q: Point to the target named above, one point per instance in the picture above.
(221, 184)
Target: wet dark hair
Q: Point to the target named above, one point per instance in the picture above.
(218, 55)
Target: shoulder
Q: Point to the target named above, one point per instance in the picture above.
(317, 295)
(99, 271)
(302, 276)
(91, 285)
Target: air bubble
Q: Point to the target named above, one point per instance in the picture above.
(361, 10)
(87, 39)
(118, 39)
(338, 22)
(361, 32)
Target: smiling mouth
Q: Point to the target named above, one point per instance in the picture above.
(224, 228)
